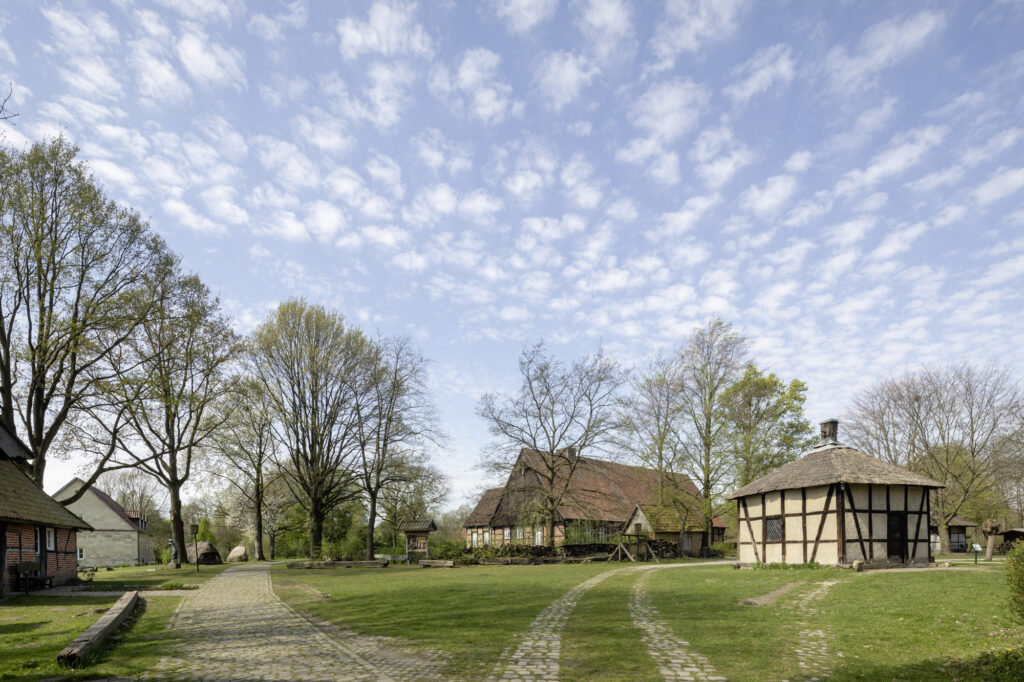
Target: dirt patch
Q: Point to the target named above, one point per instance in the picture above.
(772, 597)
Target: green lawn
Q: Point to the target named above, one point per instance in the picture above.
(153, 577)
(885, 624)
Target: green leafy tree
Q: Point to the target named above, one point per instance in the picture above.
(766, 424)
(205, 533)
(73, 266)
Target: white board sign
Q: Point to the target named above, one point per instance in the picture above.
(977, 547)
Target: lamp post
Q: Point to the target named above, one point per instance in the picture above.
(195, 543)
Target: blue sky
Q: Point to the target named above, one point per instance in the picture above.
(843, 181)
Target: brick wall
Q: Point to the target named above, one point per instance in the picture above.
(20, 541)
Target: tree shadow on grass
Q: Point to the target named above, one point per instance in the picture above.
(1001, 666)
(15, 628)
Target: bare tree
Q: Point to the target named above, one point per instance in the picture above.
(649, 423)
(5, 113)
(418, 489)
(72, 270)
(135, 489)
(395, 419)
(710, 362)
(559, 414)
(243, 450)
(953, 423)
(175, 374)
(314, 368)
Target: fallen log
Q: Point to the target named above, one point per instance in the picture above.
(436, 563)
(75, 654)
(337, 564)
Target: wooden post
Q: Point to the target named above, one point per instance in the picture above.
(841, 523)
(871, 523)
(803, 519)
(764, 535)
(782, 507)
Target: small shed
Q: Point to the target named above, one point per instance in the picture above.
(417, 534)
(835, 505)
(1013, 536)
(663, 522)
(957, 533)
(208, 554)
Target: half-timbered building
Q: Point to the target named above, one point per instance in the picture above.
(835, 505)
(600, 496)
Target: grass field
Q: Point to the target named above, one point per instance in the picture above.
(912, 625)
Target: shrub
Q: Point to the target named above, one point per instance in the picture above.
(725, 547)
(455, 550)
(1015, 576)
(778, 566)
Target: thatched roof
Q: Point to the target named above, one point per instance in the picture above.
(484, 510)
(21, 500)
(665, 519)
(417, 526)
(961, 521)
(834, 463)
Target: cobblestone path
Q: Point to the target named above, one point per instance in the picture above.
(673, 656)
(812, 653)
(539, 649)
(235, 628)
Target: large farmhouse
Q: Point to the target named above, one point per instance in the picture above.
(601, 496)
(835, 505)
(120, 537)
(38, 536)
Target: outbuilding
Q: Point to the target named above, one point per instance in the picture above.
(835, 505)
(417, 534)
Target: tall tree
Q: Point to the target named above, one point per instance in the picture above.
(560, 413)
(72, 270)
(395, 420)
(711, 361)
(177, 371)
(135, 489)
(314, 369)
(410, 495)
(244, 449)
(766, 424)
(953, 423)
(650, 419)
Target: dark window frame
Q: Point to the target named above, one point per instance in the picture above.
(773, 528)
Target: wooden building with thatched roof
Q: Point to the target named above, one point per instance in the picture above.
(835, 505)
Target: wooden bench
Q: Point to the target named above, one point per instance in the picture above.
(27, 573)
(436, 563)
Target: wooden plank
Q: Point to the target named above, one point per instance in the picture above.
(821, 524)
(841, 522)
(750, 529)
(803, 519)
(856, 523)
(764, 529)
(782, 520)
(917, 526)
(436, 563)
(928, 495)
(906, 535)
(626, 552)
(75, 654)
(871, 522)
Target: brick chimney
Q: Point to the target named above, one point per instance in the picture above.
(829, 432)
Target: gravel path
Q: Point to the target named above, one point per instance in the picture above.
(813, 652)
(674, 657)
(539, 649)
(235, 628)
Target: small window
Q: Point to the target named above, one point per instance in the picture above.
(51, 539)
(773, 529)
(507, 535)
(81, 553)
(538, 536)
(519, 533)
(476, 539)
(487, 537)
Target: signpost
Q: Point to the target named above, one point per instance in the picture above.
(195, 543)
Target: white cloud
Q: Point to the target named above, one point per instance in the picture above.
(430, 204)
(849, 233)
(768, 68)
(386, 171)
(898, 242)
(689, 25)
(515, 313)
(949, 215)
(390, 30)
(289, 165)
(880, 47)
(387, 236)
(524, 185)
(767, 200)
(906, 151)
(437, 152)
(608, 28)
(6, 53)
(476, 87)
(480, 207)
(580, 188)
(623, 210)
(411, 261)
(996, 145)
(220, 202)
(156, 77)
(679, 222)
(937, 179)
(322, 131)
(281, 90)
(183, 214)
(865, 126)
(385, 94)
(347, 185)
(798, 162)
(522, 15)
(665, 112)
(1002, 183)
(200, 10)
(325, 220)
(551, 229)
(561, 76)
(272, 28)
(208, 62)
(80, 32)
(719, 156)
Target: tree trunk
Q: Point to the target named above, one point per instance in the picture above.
(943, 537)
(990, 547)
(273, 544)
(177, 525)
(370, 523)
(551, 532)
(316, 529)
(258, 543)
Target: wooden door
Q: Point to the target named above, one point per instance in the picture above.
(897, 537)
